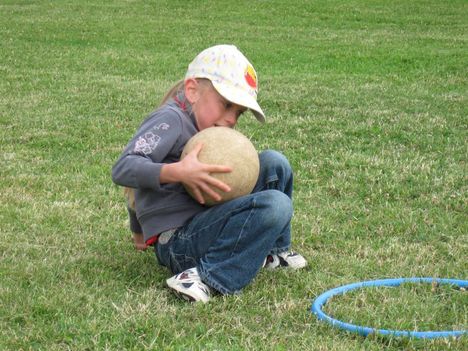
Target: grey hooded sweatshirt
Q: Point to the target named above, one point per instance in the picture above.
(159, 140)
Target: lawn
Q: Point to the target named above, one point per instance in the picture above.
(367, 99)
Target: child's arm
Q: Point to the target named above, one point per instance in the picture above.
(142, 164)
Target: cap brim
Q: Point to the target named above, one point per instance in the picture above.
(239, 97)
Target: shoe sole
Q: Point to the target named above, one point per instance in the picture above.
(184, 296)
(181, 294)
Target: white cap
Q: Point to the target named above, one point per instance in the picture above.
(231, 74)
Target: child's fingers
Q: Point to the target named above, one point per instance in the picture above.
(197, 194)
(218, 169)
(207, 189)
(211, 193)
(141, 247)
(219, 184)
(196, 150)
(139, 242)
(210, 168)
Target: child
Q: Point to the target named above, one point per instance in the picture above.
(208, 249)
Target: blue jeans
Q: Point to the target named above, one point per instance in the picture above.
(228, 243)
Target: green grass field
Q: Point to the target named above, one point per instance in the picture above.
(368, 100)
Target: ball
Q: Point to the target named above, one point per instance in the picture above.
(227, 147)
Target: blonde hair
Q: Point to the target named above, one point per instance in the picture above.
(130, 197)
(172, 92)
(179, 87)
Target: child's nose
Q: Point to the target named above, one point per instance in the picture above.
(231, 118)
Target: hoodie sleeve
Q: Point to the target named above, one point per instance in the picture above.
(140, 164)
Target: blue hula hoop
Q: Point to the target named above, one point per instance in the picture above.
(365, 331)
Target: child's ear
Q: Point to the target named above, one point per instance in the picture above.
(191, 88)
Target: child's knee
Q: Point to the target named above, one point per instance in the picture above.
(275, 164)
(273, 157)
(278, 207)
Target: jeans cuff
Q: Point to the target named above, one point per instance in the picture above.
(278, 250)
(212, 283)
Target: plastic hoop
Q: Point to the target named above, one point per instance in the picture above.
(322, 300)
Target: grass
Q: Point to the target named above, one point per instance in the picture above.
(368, 100)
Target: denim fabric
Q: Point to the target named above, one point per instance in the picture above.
(228, 243)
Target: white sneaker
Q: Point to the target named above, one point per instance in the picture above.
(189, 286)
(285, 259)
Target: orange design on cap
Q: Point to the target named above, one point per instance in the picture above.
(251, 77)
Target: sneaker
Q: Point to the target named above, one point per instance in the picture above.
(285, 259)
(189, 286)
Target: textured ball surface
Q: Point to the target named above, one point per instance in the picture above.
(227, 147)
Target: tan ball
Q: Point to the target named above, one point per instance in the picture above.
(227, 147)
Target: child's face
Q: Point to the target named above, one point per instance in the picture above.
(211, 109)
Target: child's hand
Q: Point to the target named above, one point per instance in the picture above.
(196, 176)
(139, 242)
